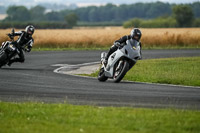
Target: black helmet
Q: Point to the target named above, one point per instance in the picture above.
(30, 29)
(136, 32)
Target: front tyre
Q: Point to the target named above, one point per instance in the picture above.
(3, 57)
(101, 75)
(120, 71)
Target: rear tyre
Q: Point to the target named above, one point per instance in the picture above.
(121, 72)
(101, 75)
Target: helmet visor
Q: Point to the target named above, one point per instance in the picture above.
(136, 37)
(30, 32)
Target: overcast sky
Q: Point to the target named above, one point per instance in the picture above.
(112, 1)
(86, 2)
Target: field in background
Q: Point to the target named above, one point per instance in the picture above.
(104, 37)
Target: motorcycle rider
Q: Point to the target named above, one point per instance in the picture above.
(135, 35)
(25, 39)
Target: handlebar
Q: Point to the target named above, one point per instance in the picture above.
(11, 35)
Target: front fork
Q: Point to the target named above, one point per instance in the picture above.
(119, 65)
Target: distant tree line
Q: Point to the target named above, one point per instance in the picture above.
(182, 16)
(20, 16)
(93, 14)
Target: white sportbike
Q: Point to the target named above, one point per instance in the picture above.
(120, 62)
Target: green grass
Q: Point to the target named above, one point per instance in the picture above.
(178, 71)
(57, 118)
(106, 48)
(70, 48)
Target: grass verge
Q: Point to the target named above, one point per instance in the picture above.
(68, 48)
(179, 71)
(104, 48)
(53, 118)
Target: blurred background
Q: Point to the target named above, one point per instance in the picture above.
(62, 14)
(98, 23)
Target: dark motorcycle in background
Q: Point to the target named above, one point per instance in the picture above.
(8, 50)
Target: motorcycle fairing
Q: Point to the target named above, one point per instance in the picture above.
(130, 51)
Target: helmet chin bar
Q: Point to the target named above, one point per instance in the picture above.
(30, 33)
(136, 38)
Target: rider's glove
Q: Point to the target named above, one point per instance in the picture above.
(118, 44)
(10, 36)
(28, 50)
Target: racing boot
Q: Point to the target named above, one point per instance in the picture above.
(10, 62)
(105, 62)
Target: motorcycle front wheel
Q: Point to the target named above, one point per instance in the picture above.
(3, 57)
(120, 71)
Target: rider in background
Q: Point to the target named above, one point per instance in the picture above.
(25, 40)
(135, 35)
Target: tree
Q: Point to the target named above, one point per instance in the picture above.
(158, 9)
(93, 15)
(183, 15)
(195, 7)
(37, 13)
(54, 16)
(71, 19)
(18, 13)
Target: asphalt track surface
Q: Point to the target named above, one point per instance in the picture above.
(35, 81)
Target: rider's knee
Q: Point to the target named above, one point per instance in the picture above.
(114, 48)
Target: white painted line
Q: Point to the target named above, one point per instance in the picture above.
(77, 65)
(65, 66)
